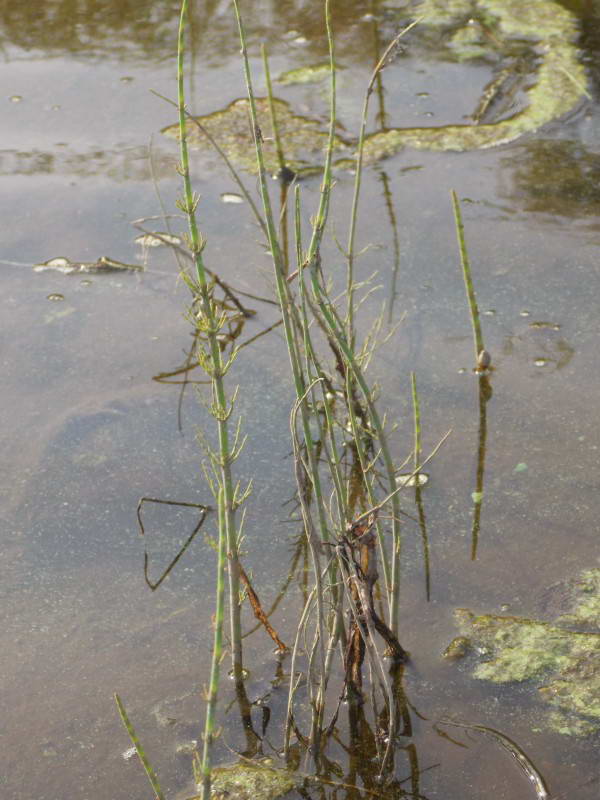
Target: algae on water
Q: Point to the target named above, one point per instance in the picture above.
(561, 658)
(251, 781)
(547, 29)
(303, 139)
(542, 30)
(314, 73)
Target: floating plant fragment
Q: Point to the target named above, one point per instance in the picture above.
(408, 479)
(157, 239)
(310, 74)
(560, 658)
(231, 197)
(103, 264)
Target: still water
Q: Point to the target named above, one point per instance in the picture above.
(87, 429)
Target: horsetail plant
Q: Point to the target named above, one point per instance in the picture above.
(209, 321)
(308, 374)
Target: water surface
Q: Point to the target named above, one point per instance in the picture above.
(86, 430)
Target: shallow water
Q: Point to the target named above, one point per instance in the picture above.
(86, 430)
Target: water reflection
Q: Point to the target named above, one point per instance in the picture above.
(561, 178)
(137, 31)
(119, 165)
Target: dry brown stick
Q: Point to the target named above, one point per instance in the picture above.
(258, 611)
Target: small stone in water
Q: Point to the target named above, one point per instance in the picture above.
(15, 98)
(541, 362)
(55, 296)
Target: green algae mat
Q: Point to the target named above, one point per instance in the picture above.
(560, 659)
(251, 781)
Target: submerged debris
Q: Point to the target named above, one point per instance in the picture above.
(103, 264)
(458, 648)
(561, 658)
(410, 479)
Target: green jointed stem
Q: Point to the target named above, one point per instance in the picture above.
(139, 749)
(189, 203)
(283, 291)
(273, 114)
(285, 302)
(213, 689)
(209, 322)
(321, 217)
(357, 182)
(466, 268)
(337, 333)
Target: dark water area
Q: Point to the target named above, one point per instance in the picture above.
(87, 429)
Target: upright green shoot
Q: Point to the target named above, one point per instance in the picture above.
(466, 269)
(213, 688)
(139, 749)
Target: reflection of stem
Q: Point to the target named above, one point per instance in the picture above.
(253, 740)
(387, 194)
(424, 539)
(485, 392)
(418, 497)
(381, 114)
